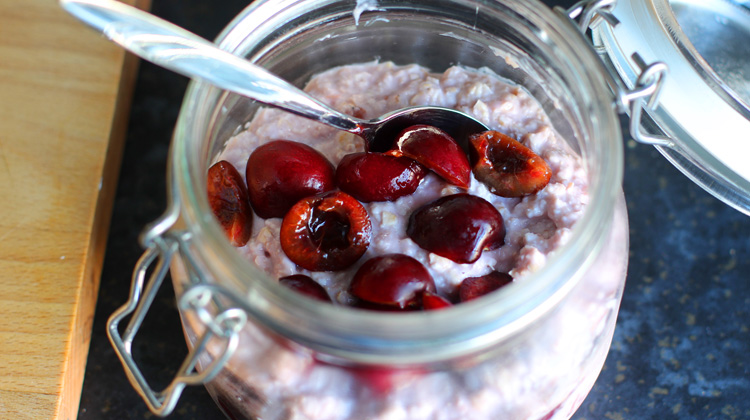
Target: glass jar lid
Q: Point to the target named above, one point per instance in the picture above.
(702, 116)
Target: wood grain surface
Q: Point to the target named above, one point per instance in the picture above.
(64, 100)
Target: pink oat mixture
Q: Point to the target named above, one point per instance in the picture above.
(270, 381)
(535, 225)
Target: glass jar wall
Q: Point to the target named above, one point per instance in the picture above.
(529, 351)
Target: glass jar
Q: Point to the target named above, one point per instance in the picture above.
(532, 350)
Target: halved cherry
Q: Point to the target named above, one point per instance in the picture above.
(228, 197)
(458, 227)
(282, 172)
(392, 280)
(326, 232)
(305, 285)
(431, 301)
(507, 167)
(474, 287)
(436, 150)
(377, 176)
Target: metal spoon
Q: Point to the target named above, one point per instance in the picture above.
(181, 51)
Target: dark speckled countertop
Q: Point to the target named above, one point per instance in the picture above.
(681, 348)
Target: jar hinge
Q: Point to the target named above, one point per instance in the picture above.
(200, 298)
(644, 96)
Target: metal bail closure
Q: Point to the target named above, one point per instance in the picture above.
(587, 10)
(644, 96)
(222, 330)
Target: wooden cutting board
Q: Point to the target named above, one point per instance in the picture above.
(64, 100)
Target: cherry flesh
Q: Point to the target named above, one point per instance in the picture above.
(436, 150)
(474, 287)
(507, 167)
(431, 301)
(458, 227)
(282, 172)
(378, 177)
(326, 232)
(392, 280)
(307, 286)
(229, 200)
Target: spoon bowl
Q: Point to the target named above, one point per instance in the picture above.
(183, 52)
(380, 133)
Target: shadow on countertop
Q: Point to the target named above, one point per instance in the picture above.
(681, 348)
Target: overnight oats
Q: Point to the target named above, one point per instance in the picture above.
(426, 225)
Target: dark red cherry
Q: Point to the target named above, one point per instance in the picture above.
(326, 232)
(306, 286)
(507, 167)
(474, 287)
(394, 280)
(432, 301)
(282, 172)
(378, 177)
(436, 150)
(377, 379)
(382, 380)
(228, 197)
(458, 227)
(363, 304)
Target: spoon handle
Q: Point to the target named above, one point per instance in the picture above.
(183, 52)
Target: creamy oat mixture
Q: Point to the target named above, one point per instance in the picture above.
(557, 361)
(535, 224)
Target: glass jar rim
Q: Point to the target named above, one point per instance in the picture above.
(375, 337)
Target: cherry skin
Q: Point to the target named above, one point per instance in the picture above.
(458, 227)
(230, 202)
(436, 150)
(282, 172)
(392, 280)
(378, 177)
(326, 232)
(474, 287)
(305, 285)
(507, 167)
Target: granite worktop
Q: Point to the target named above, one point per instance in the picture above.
(682, 344)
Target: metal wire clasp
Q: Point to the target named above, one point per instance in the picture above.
(222, 329)
(587, 10)
(644, 96)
